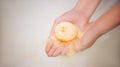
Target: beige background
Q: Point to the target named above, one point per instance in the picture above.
(25, 26)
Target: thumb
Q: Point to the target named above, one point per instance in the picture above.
(90, 35)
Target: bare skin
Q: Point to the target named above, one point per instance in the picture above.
(80, 16)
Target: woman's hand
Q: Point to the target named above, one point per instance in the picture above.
(80, 20)
(91, 31)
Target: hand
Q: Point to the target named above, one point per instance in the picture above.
(79, 20)
(79, 16)
(91, 31)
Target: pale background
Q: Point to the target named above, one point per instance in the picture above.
(25, 26)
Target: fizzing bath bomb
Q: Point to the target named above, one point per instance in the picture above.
(66, 31)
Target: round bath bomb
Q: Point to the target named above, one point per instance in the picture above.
(65, 31)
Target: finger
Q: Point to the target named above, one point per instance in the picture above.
(64, 51)
(49, 46)
(89, 37)
(52, 50)
(57, 52)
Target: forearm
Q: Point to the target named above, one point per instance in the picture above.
(86, 7)
(109, 20)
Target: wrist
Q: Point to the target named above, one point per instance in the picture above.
(86, 7)
(81, 12)
(97, 32)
